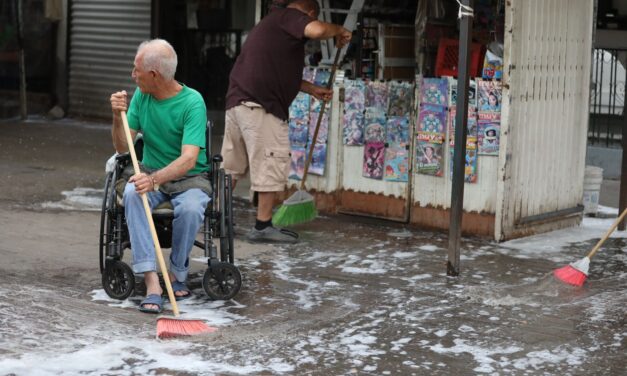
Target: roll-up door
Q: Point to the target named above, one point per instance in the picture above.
(104, 36)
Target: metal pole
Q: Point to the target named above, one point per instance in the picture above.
(622, 198)
(22, 69)
(461, 133)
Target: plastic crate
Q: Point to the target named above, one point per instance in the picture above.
(448, 56)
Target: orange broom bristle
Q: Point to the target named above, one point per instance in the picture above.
(169, 327)
(570, 275)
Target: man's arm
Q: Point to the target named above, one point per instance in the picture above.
(324, 30)
(177, 169)
(319, 92)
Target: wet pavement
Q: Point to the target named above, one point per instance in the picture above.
(356, 296)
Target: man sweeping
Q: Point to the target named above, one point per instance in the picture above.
(265, 79)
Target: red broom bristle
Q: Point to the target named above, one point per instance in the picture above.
(173, 327)
(570, 275)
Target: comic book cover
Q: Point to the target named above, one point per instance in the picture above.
(489, 138)
(471, 124)
(374, 154)
(318, 159)
(374, 125)
(298, 133)
(321, 77)
(299, 108)
(452, 94)
(470, 161)
(377, 95)
(354, 95)
(353, 128)
(297, 164)
(434, 91)
(400, 97)
(397, 130)
(429, 158)
(309, 73)
(323, 131)
(396, 163)
(489, 93)
(432, 119)
(315, 106)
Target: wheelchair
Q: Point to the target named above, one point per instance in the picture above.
(222, 279)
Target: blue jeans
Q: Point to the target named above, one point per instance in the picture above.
(189, 213)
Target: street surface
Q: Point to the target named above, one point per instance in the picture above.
(356, 296)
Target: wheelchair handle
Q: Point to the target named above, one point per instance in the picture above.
(151, 224)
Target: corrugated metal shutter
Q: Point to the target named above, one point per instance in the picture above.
(104, 37)
(545, 113)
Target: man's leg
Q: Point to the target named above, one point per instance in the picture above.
(264, 208)
(143, 249)
(189, 213)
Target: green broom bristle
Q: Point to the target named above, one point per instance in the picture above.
(293, 213)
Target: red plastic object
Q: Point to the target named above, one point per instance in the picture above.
(448, 56)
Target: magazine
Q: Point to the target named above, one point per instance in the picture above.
(353, 128)
(396, 163)
(490, 93)
(452, 94)
(374, 125)
(401, 94)
(429, 158)
(397, 130)
(298, 133)
(374, 154)
(432, 119)
(297, 164)
(377, 95)
(489, 138)
(354, 95)
(471, 124)
(470, 161)
(318, 159)
(434, 91)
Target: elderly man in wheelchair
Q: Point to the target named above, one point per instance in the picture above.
(172, 120)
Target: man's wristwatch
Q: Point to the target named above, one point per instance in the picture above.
(155, 186)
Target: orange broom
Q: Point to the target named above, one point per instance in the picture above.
(167, 326)
(576, 273)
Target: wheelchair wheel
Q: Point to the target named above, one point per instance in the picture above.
(223, 286)
(118, 280)
(105, 221)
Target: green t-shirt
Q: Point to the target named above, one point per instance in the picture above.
(168, 124)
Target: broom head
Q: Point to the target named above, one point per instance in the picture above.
(298, 208)
(574, 274)
(169, 327)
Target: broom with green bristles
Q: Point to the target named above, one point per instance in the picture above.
(300, 207)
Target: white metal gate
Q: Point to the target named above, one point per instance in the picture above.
(546, 87)
(104, 35)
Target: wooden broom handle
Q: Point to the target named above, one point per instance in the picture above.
(608, 233)
(320, 116)
(151, 224)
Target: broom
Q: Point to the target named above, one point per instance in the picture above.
(576, 273)
(300, 206)
(167, 326)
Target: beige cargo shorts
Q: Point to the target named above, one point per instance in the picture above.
(256, 140)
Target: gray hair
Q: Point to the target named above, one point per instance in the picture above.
(159, 55)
